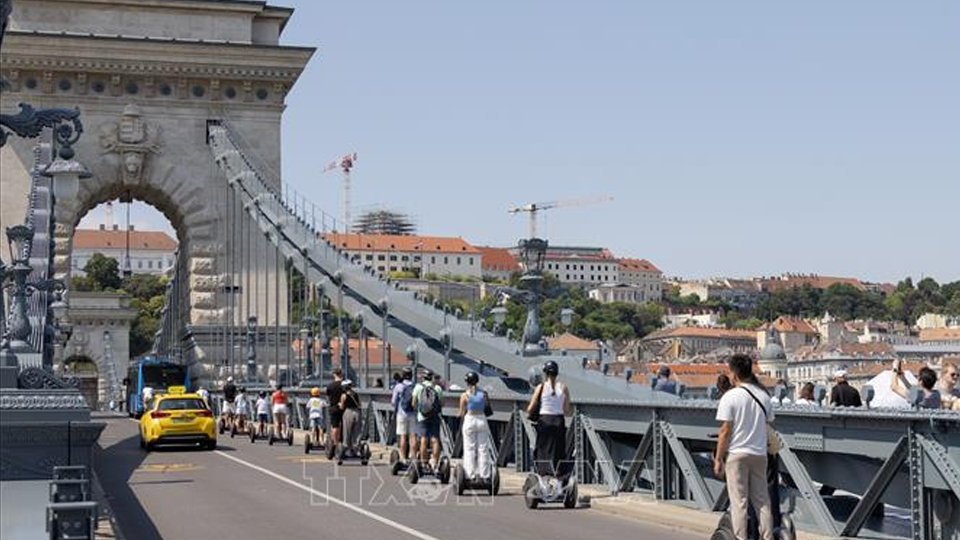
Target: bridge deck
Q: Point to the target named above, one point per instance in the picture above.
(257, 491)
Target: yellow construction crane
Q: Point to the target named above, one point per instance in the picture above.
(533, 208)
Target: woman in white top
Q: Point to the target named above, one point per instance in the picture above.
(549, 406)
(806, 395)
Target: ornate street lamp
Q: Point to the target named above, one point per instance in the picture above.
(307, 341)
(19, 238)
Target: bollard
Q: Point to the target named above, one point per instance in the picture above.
(72, 521)
(70, 472)
(63, 491)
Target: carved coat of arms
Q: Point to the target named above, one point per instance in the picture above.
(133, 139)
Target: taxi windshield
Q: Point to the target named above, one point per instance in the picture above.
(181, 404)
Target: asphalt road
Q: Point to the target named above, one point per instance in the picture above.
(254, 491)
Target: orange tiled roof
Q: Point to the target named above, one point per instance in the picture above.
(570, 342)
(638, 265)
(791, 325)
(498, 259)
(698, 331)
(389, 242)
(940, 334)
(114, 239)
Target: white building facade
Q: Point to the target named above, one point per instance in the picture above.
(421, 255)
(151, 252)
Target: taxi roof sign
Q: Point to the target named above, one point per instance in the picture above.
(177, 390)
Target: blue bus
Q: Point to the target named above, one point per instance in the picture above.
(156, 374)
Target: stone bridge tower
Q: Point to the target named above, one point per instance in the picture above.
(148, 77)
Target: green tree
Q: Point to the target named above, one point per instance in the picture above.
(104, 272)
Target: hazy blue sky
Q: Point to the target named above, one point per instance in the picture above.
(737, 138)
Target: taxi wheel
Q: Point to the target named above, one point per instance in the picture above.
(211, 445)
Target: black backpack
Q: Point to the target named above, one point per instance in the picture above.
(428, 404)
(406, 399)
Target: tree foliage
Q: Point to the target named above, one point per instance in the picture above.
(103, 273)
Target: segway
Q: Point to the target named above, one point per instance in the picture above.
(462, 483)
(361, 452)
(310, 444)
(398, 465)
(417, 471)
(273, 438)
(234, 430)
(724, 531)
(252, 431)
(547, 489)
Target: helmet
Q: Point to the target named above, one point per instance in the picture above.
(551, 368)
(229, 379)
(427, 375)
(472, 378)
(315, 391)
(408, 372)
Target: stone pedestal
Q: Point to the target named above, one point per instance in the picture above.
(41, 429)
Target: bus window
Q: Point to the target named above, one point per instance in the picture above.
(163, 376)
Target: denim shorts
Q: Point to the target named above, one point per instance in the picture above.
(429, 428)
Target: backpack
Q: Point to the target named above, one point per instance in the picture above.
(406, 398)
(429, 403)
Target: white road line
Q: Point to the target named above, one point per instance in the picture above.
(366, 513)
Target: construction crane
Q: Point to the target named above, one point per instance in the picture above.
(533, 208)
(345, 163)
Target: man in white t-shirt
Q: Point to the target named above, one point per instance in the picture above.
(744, 413)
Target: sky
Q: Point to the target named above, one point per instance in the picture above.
(737, 138)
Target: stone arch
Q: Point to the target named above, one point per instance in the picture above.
(159, 180)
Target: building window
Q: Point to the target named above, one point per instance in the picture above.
(149, 264)
(380, 269)
(405, 258)
(369, 257)
(433, 260)
(446, 260)
(470, 261)
(381, 257)
(139, 264)
(458, 261)
(393, 257)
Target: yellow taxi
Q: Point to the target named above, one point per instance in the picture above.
(177, 417)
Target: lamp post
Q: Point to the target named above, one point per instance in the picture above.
(306, 337)
(251, 348)
(566, 317)
(532, 252)
(20, 239)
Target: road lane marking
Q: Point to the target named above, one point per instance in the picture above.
(304, 459)
(168, 467)
(366, 513)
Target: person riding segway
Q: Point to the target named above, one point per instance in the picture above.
(280, 431)
(241, 418)
(406, 415)
(477, 470)
(428, 402)
(552, 480)
(227, 414)
(316, 409)
(262, 407)
(334, 391)
(351, 447)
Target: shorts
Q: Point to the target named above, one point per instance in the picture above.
(429, 428)
(228, 408)
(336, 418)
(316, 423)
(242, 413)
(407, 425)
(263, 417)
(279, 408)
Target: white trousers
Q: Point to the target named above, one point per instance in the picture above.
(476, 447)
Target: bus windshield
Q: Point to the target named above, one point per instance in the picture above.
(163, 376)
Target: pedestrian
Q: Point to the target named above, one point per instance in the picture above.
(378, 383)
(147, 398)
(723, 385)
(402, 401)
(438, 381)
(744, 413)
(664, 384)
(806, 395)
(550, 405)
(229, 395)
(842, 394)
(428, 402)
(949, 386)
(927, 378)
(336, 413)
(475, 431)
